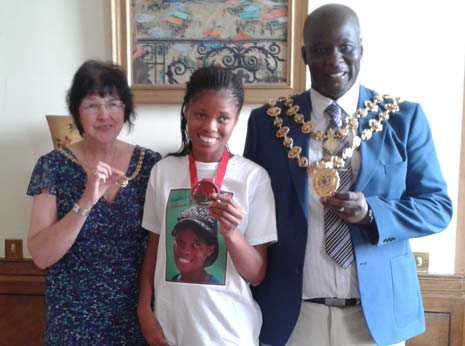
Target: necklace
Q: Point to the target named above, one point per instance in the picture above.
(326, 178)
(85, 162)
(122, 180)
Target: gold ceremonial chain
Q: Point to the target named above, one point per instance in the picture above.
(122, 180)
(326, 180)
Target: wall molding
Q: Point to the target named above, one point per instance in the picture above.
(21, 277)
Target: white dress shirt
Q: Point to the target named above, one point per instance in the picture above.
(322, 277)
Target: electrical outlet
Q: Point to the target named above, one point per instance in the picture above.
(422, 261)
(13, 248)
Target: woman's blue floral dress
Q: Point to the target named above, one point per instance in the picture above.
(92, 292)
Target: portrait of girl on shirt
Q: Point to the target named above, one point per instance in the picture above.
(195, 246)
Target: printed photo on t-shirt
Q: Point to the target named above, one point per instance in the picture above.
(195, 250)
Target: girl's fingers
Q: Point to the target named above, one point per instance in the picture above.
(228, 210)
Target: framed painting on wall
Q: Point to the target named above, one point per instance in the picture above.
(161, 42)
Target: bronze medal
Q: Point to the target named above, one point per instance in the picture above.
(325, 181)
(202, 192)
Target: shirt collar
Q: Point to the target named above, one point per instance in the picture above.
(348, 102)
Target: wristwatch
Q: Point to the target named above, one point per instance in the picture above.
(81, 211)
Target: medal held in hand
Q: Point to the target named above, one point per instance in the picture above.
(326, 181)
(202, 190)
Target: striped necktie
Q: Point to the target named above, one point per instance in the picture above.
(338, 244)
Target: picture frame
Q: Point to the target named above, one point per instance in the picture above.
(160, 42)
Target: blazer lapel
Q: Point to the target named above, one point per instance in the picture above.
(299, 175)
(369, 150)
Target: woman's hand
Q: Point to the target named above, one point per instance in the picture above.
(151, 328)
(351, 206)
(227, 212)
(99, 180)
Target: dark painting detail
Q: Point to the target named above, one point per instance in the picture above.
(173, 38)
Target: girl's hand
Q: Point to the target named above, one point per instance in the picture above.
(151, 328)
(227, 212)
(250, 261)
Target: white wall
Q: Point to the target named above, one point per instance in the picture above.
(43, 42)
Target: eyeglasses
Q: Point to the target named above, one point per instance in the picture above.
(111, 107)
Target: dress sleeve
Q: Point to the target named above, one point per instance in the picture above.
(152, 158)
(42, 178)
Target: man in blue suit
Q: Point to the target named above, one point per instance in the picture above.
(342, 271)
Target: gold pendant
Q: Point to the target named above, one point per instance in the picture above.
(122, 181)
(325, 181)
(331, 144)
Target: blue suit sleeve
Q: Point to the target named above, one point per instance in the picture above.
(417, 203)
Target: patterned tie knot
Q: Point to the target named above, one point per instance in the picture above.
(334, 111)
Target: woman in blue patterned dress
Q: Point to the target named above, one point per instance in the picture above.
(86, 217)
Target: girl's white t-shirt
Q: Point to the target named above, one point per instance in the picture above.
(209, 314)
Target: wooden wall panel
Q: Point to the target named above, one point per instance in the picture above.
(22, 307)
(22, 320)
(437, 331)
(22, 303)
(444, 302)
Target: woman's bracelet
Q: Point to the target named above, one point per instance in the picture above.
(81, 211)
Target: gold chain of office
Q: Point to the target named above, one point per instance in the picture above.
(326, 180)
(122, 180)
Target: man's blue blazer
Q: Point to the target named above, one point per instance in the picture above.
(403, 185)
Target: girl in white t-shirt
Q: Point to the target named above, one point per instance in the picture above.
(204, 184)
